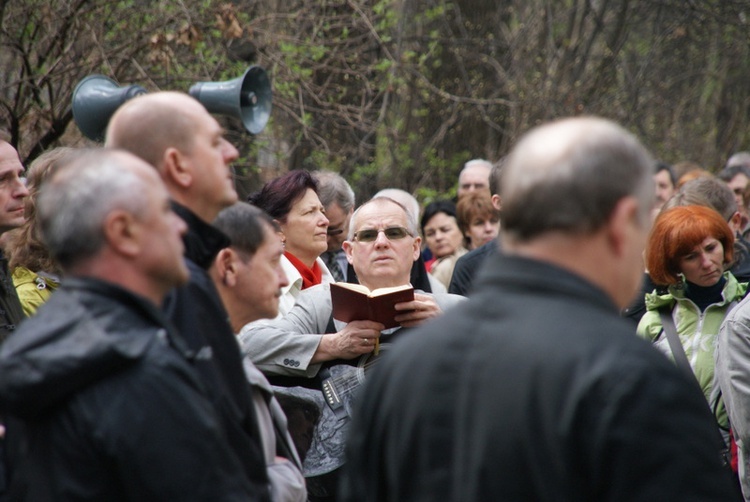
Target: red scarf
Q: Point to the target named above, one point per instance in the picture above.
(310, 276)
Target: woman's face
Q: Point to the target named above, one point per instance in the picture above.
(442, 235)
(482, 230)
(305, 228)
(704, 265)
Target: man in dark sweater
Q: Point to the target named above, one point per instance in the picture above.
(175, 133)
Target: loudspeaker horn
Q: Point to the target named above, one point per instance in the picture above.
(95, 100)
(247, 97)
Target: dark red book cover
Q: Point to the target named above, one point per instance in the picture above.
(354, 302)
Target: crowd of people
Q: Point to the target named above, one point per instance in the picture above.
(578, 329)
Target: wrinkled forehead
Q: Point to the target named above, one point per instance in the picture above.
(380, 214)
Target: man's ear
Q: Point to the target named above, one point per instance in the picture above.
(417, 248)
(624, 223)
(347, 247)
(226, 267)
(122, 233)
(176, 168)
(735, 222)
(497, 202)
(279, 232)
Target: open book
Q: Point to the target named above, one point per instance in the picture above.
(354, 302)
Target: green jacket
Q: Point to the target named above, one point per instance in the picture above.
(697, 330)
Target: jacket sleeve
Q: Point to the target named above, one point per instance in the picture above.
(733, 375)
(649, 326)
(164, 437)
(286, 346)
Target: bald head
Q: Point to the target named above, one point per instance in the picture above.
(175, 133)
(569, 175)
(150, 123)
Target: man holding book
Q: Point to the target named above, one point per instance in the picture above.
(382, 244)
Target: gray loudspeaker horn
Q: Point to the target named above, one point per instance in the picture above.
(95, 100)
(247, 97)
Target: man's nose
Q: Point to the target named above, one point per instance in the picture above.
(20, 189)
(230, 152)
(381, 239)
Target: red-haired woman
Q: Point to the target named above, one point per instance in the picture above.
(478, 219)
(689, 250)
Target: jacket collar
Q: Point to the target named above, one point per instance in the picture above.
(202, 241)
(525, 274)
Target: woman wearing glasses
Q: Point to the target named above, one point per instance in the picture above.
(292, 201)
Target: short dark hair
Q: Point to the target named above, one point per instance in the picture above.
(496, 177)
(244, 224)
(279, 195)
(439, 206)
(663, 166)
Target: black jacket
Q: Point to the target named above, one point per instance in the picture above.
(533, 390)
(104, 405)
(467, 266)
(201, 320)
(11, 312)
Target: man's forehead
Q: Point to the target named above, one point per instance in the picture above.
(380, 214)
(9, 157)
(474, 174)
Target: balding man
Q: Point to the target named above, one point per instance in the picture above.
(174, 133)
(474, 176)
(106, 403)
(535, 389)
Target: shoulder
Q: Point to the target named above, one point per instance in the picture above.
(448, 300)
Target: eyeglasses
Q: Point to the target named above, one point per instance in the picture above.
(391, 233)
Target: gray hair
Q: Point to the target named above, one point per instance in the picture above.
(711, 192)
(407, 200)
(739, 159)
(569, 175)
(332, 187)
(73, 205)
(478, 162)
(244, 224)
(411, 221)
